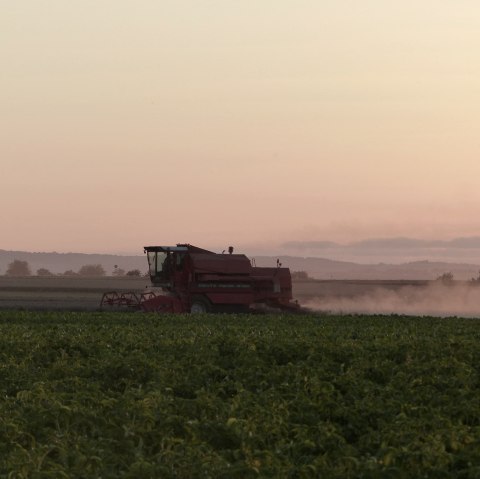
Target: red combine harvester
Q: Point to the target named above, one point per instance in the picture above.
(199, 281)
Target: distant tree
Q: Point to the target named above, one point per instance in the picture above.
(300, 275)
(44, 272)
(118, 271)
(134, 272)
(70, 272)
(446, 278)
(477, 279)
(91, 270)
(18, 268)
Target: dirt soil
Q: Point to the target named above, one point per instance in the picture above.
(62, 293)
(84, 294)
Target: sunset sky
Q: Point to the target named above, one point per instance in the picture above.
(126, 123)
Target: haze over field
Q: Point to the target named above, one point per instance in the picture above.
(434, 299)
(246, 123)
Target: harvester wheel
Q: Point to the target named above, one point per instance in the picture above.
(199, 306)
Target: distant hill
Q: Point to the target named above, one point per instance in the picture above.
(319, 268)
(60, 262)
(388, 250)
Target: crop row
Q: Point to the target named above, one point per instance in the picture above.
(131, 395)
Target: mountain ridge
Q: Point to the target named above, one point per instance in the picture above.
(316, 267)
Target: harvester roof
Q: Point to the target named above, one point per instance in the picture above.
(180, 247)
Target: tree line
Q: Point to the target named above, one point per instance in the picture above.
(22, 268)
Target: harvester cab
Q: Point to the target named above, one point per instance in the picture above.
(164, 264)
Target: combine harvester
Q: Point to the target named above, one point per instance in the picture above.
(195, 280)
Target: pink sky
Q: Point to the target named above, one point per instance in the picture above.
(249, 123)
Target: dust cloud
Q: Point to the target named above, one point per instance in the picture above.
(436, 299)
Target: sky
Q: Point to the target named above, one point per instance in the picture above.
(252, 123)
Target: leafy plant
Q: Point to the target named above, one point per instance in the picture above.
(128, 395)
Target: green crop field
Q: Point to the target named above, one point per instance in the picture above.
(129, 395)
